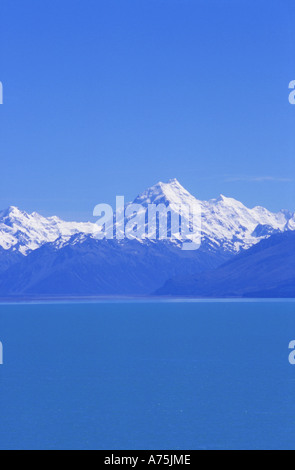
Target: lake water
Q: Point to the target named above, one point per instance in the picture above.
(147, 375)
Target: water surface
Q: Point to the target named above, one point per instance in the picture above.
(147, 375)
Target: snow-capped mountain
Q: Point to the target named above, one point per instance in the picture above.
(42, 256)
(227, 224)
(24, 232)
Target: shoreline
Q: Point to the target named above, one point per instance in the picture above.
(136, 299)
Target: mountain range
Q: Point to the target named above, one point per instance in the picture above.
(42, 256)
(267, 270)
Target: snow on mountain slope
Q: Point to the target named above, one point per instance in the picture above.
(164, 193)
(24, 232)
(179, 201)
(227, 224)
(234, 226)
(291, 223)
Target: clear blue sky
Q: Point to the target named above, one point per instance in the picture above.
(106, 97)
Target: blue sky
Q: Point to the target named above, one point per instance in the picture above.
(107, 97)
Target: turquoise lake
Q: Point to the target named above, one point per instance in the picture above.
(147, 375)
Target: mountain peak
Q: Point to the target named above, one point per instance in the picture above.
(226, 222)
(174, 181)
(11, 211)
(223, 198)
(171, 192)
(30, 231)
(228, 201)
